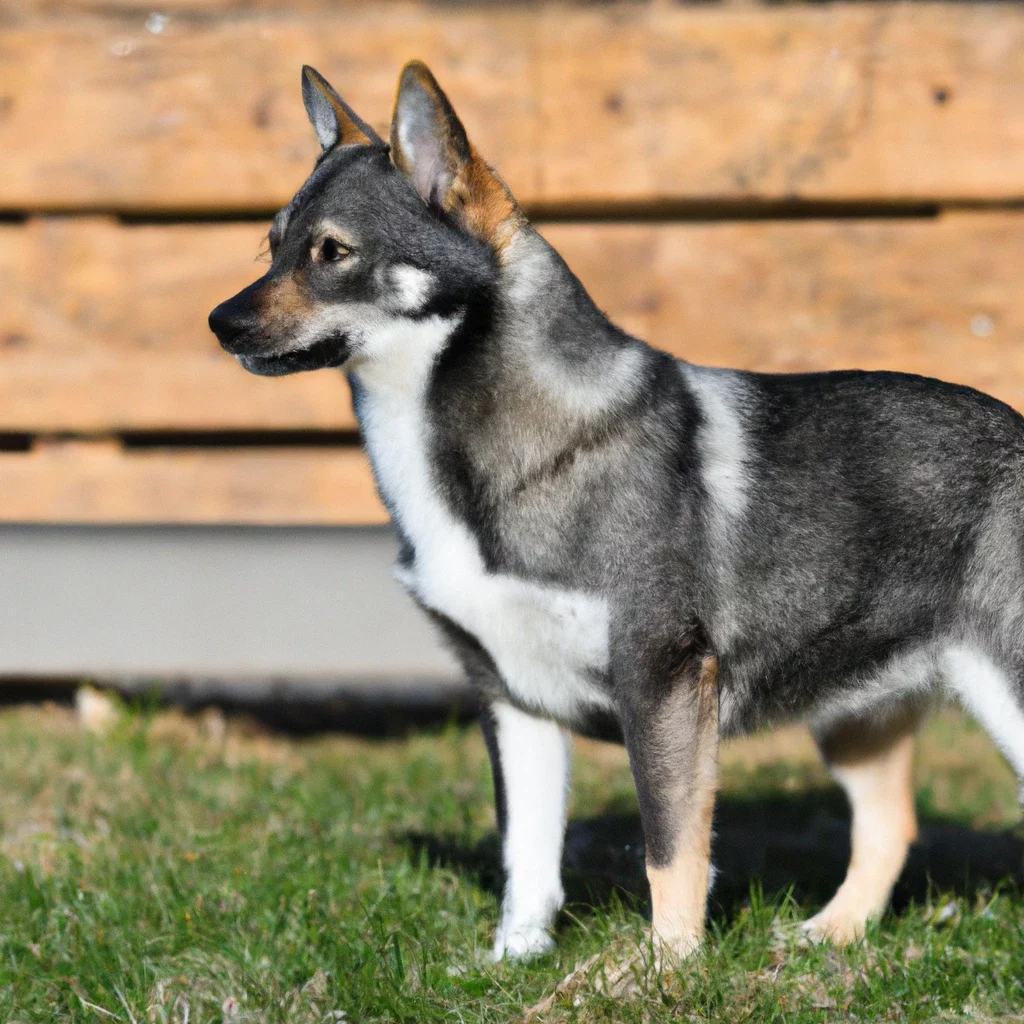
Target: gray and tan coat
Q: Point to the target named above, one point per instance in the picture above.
(621, 544)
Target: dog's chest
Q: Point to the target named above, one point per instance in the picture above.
(549, 644)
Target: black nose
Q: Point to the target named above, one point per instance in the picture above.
(229, 324)
(223, 324)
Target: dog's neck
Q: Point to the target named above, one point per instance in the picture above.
(554, 371)
(540, 370)
(555, 338)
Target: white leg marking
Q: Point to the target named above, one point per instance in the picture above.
(535, 765)
(988, 695)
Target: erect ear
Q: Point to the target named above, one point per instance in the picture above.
(430, 147)
(333, 120)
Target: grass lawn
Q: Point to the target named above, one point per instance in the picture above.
(174, 870)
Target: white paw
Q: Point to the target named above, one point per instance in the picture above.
(518, 942)
(833, 926)
(669, 953)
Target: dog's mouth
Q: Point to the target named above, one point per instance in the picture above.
(331, 352)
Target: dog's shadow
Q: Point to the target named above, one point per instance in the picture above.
(780, 843)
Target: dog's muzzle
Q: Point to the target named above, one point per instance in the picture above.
(239, 330)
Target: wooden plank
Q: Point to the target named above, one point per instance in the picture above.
(617, 104)
(103, 327)
(101, 483)
(15, 12)
(869, 102)
(209, 115)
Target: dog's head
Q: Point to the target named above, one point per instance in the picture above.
(378, 238)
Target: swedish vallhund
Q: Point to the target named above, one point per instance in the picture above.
(625, 545)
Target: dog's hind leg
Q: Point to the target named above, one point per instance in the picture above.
(531, 759)
(873, 762)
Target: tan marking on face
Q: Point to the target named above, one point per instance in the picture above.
(284, 304)
(679, 891)
(875, 766)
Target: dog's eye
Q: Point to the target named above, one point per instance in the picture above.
(331, 250)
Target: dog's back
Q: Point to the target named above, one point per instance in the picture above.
(881, 527)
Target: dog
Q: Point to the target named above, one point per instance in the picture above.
(624, 545)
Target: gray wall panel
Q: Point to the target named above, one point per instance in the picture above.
(210, 601)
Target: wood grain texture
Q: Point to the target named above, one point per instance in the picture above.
(19, 12)
(103, 327)
(577, 107)
(93, 482)
(15, 12)
(844, 102)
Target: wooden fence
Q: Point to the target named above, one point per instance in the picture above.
(778, 187)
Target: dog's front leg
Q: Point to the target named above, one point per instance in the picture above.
(531, 761)
(671, 732)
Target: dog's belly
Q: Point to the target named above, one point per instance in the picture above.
(549, 645)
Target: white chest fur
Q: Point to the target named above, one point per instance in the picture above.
(547, 643)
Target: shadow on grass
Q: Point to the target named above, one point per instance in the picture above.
(780, 842)
(286, 706)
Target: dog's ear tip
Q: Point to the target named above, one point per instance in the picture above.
(333, 120)
(310, 76)
(415, 71)
(313, 83)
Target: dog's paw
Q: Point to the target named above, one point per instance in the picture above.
(833, 926)
(521, 942)
(671, 951)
